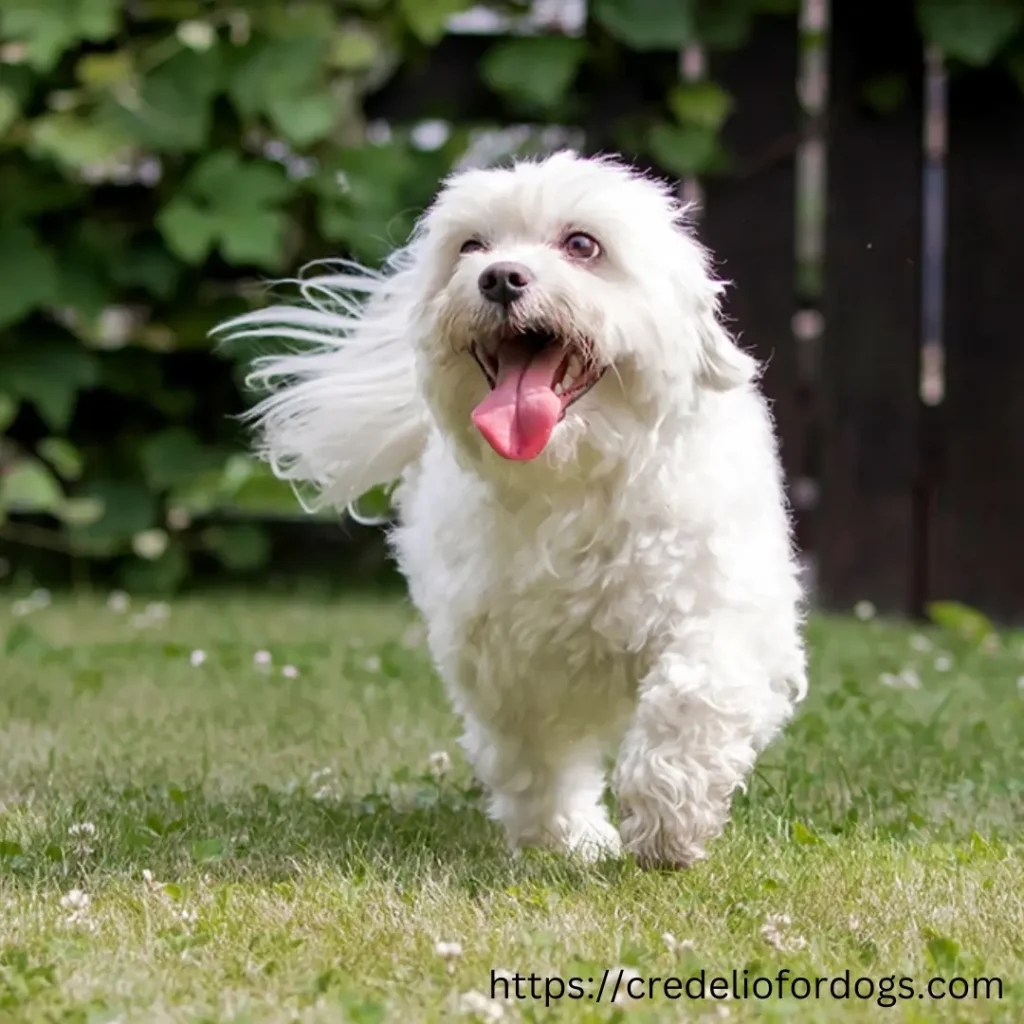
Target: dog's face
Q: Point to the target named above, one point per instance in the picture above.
(562, 303)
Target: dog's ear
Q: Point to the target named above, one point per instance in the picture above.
(722, 364)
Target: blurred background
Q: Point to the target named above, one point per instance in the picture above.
(860, 174)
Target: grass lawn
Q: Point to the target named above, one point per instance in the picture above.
(196, 838)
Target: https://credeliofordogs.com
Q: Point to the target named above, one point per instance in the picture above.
(623, 984)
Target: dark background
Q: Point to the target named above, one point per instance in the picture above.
(861, 172)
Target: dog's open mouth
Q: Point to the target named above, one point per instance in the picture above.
(534, 377)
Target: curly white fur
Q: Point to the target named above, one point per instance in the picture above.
(634, 586)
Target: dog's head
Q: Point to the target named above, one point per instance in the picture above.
(562, 303)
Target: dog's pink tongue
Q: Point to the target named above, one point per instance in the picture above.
(518, 416)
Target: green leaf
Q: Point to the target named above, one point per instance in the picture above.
(225, 181)
(535, 72)
(80, 511)
(49, 374)
(682, 150)
(229, 202)
(49, 27)
(268, 70)
(428, 18)
(355, 48)
(174, 457)
(960, 619)
(62, 455)
(238, 547)
(187, 229)
(171, 112)
(971, 32)
(101, 71)
(701, 104)
(30, 487)
(75, 141)
(128, 508)
(255, 237)
(10, 108)
(9, 848)
(303, 120)
(648, 24)
(28, 274)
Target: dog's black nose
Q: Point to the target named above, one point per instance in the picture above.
(504, 282)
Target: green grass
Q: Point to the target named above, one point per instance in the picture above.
(259, 848)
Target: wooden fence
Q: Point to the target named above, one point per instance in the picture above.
(899, 501)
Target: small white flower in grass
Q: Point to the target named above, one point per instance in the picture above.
(372, 663)
(197, 658)
(674, 945)
(775, 930)
(449, 952)
(81, 834)
(75, 900)
(943, 663)
(439, 763)
(118, 601)
(22, 608)
(864, 610)
(476, 1004)
(158, 610)
(910, 679)
(322, 793)
(290, 672)
(262, 659)
(40, 598)
(907, 679)
(920, 643)
(723, 1011)
(854, 923)
(319, 775)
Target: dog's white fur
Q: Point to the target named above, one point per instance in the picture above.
(635, 584)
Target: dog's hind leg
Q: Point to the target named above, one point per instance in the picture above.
(544, 797)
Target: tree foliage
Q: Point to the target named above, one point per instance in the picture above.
(161, 159)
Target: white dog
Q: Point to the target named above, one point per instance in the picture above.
(592, 517)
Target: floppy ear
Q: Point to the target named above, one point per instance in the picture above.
(722, 364)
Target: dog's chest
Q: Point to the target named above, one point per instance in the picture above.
(564, 611)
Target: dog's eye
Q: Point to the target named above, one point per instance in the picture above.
(471, 245)
(581, 246)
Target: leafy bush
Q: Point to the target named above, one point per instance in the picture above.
(160, 159)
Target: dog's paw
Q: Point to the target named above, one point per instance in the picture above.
(591, 838)
(657, 846)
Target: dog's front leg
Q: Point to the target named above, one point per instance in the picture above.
(699, 723)
(543, 795)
